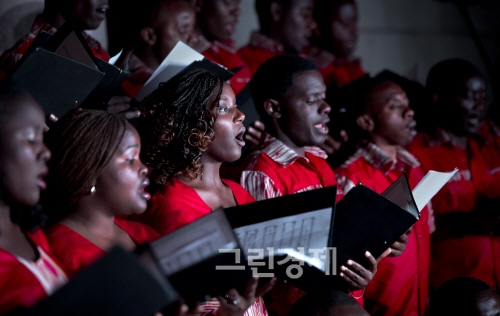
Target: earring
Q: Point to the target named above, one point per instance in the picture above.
(92, 190)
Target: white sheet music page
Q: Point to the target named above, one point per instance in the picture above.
(309, 230)
(429, 186)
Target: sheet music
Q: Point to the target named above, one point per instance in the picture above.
(179, 58)
(182, 249)
(430, 185)
(309, 230)
(114, 59)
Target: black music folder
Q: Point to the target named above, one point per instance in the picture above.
(61, 73)
(201, 260)
(279, 235)
(116, 284)
(368, 221)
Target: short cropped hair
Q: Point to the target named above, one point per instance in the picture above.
(274, 77)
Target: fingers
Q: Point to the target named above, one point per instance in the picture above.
(330, 145)
(266, 287)
(258, 125)
(344, 136)
(250, 289)
(397, 249)
(356, 275)
(373, 262)
(385, 254)
(253, 136)
(130, 114)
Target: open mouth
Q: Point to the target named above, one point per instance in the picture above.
(322, 128)
(102, 10)
(239, 137)
(142, 190)
(40, 180)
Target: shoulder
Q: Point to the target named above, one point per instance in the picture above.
(139, 232)
(241, 195)
(70, 249)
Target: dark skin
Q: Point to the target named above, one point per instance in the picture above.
(226, 146)
(299, 119)
(341, 31)
(124, 177)
(217, 19)
(389, 121)
(175, 21)
(466, 110)
(291, 26)
(24, 156)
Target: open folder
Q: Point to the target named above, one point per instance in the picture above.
(279, 235)
(201, 260)
(116, 284)
(182, 58)
(61, 73)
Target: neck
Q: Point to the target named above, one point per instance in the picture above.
(211, 175)
(389, 149)
(6, 224)
(91, 217)
(283, 137)
(149, 58)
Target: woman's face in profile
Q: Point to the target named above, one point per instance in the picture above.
(121, 186)
(23, 155)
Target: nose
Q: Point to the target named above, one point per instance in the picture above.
(239, 117)
(45, 153)
(324, 108)
(409, 112)
(235, 9)
(143, 170)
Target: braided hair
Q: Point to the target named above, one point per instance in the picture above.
(176, 125)
(82, 144)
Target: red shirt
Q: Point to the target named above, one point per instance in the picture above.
(400, 286)
(75, 252)
(335, 71)
(276, 170)
(489, 154)
(176, 204)
(224, 54)
(260, 49)
(20, 286)
(474, 255)
(11, 57)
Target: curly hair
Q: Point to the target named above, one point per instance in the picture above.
(176, 125)
(82, 144)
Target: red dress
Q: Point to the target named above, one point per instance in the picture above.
(400, 286)
(22, 286)
(277, 170)
(335, 71)
(457, 252)
(75, 252)
(10, 57)
(226, 55)
(177, 204)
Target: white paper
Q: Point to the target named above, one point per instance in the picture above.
(429, 186)
(308, 230)
(114, 59)
(183, 248)
(179, 58)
